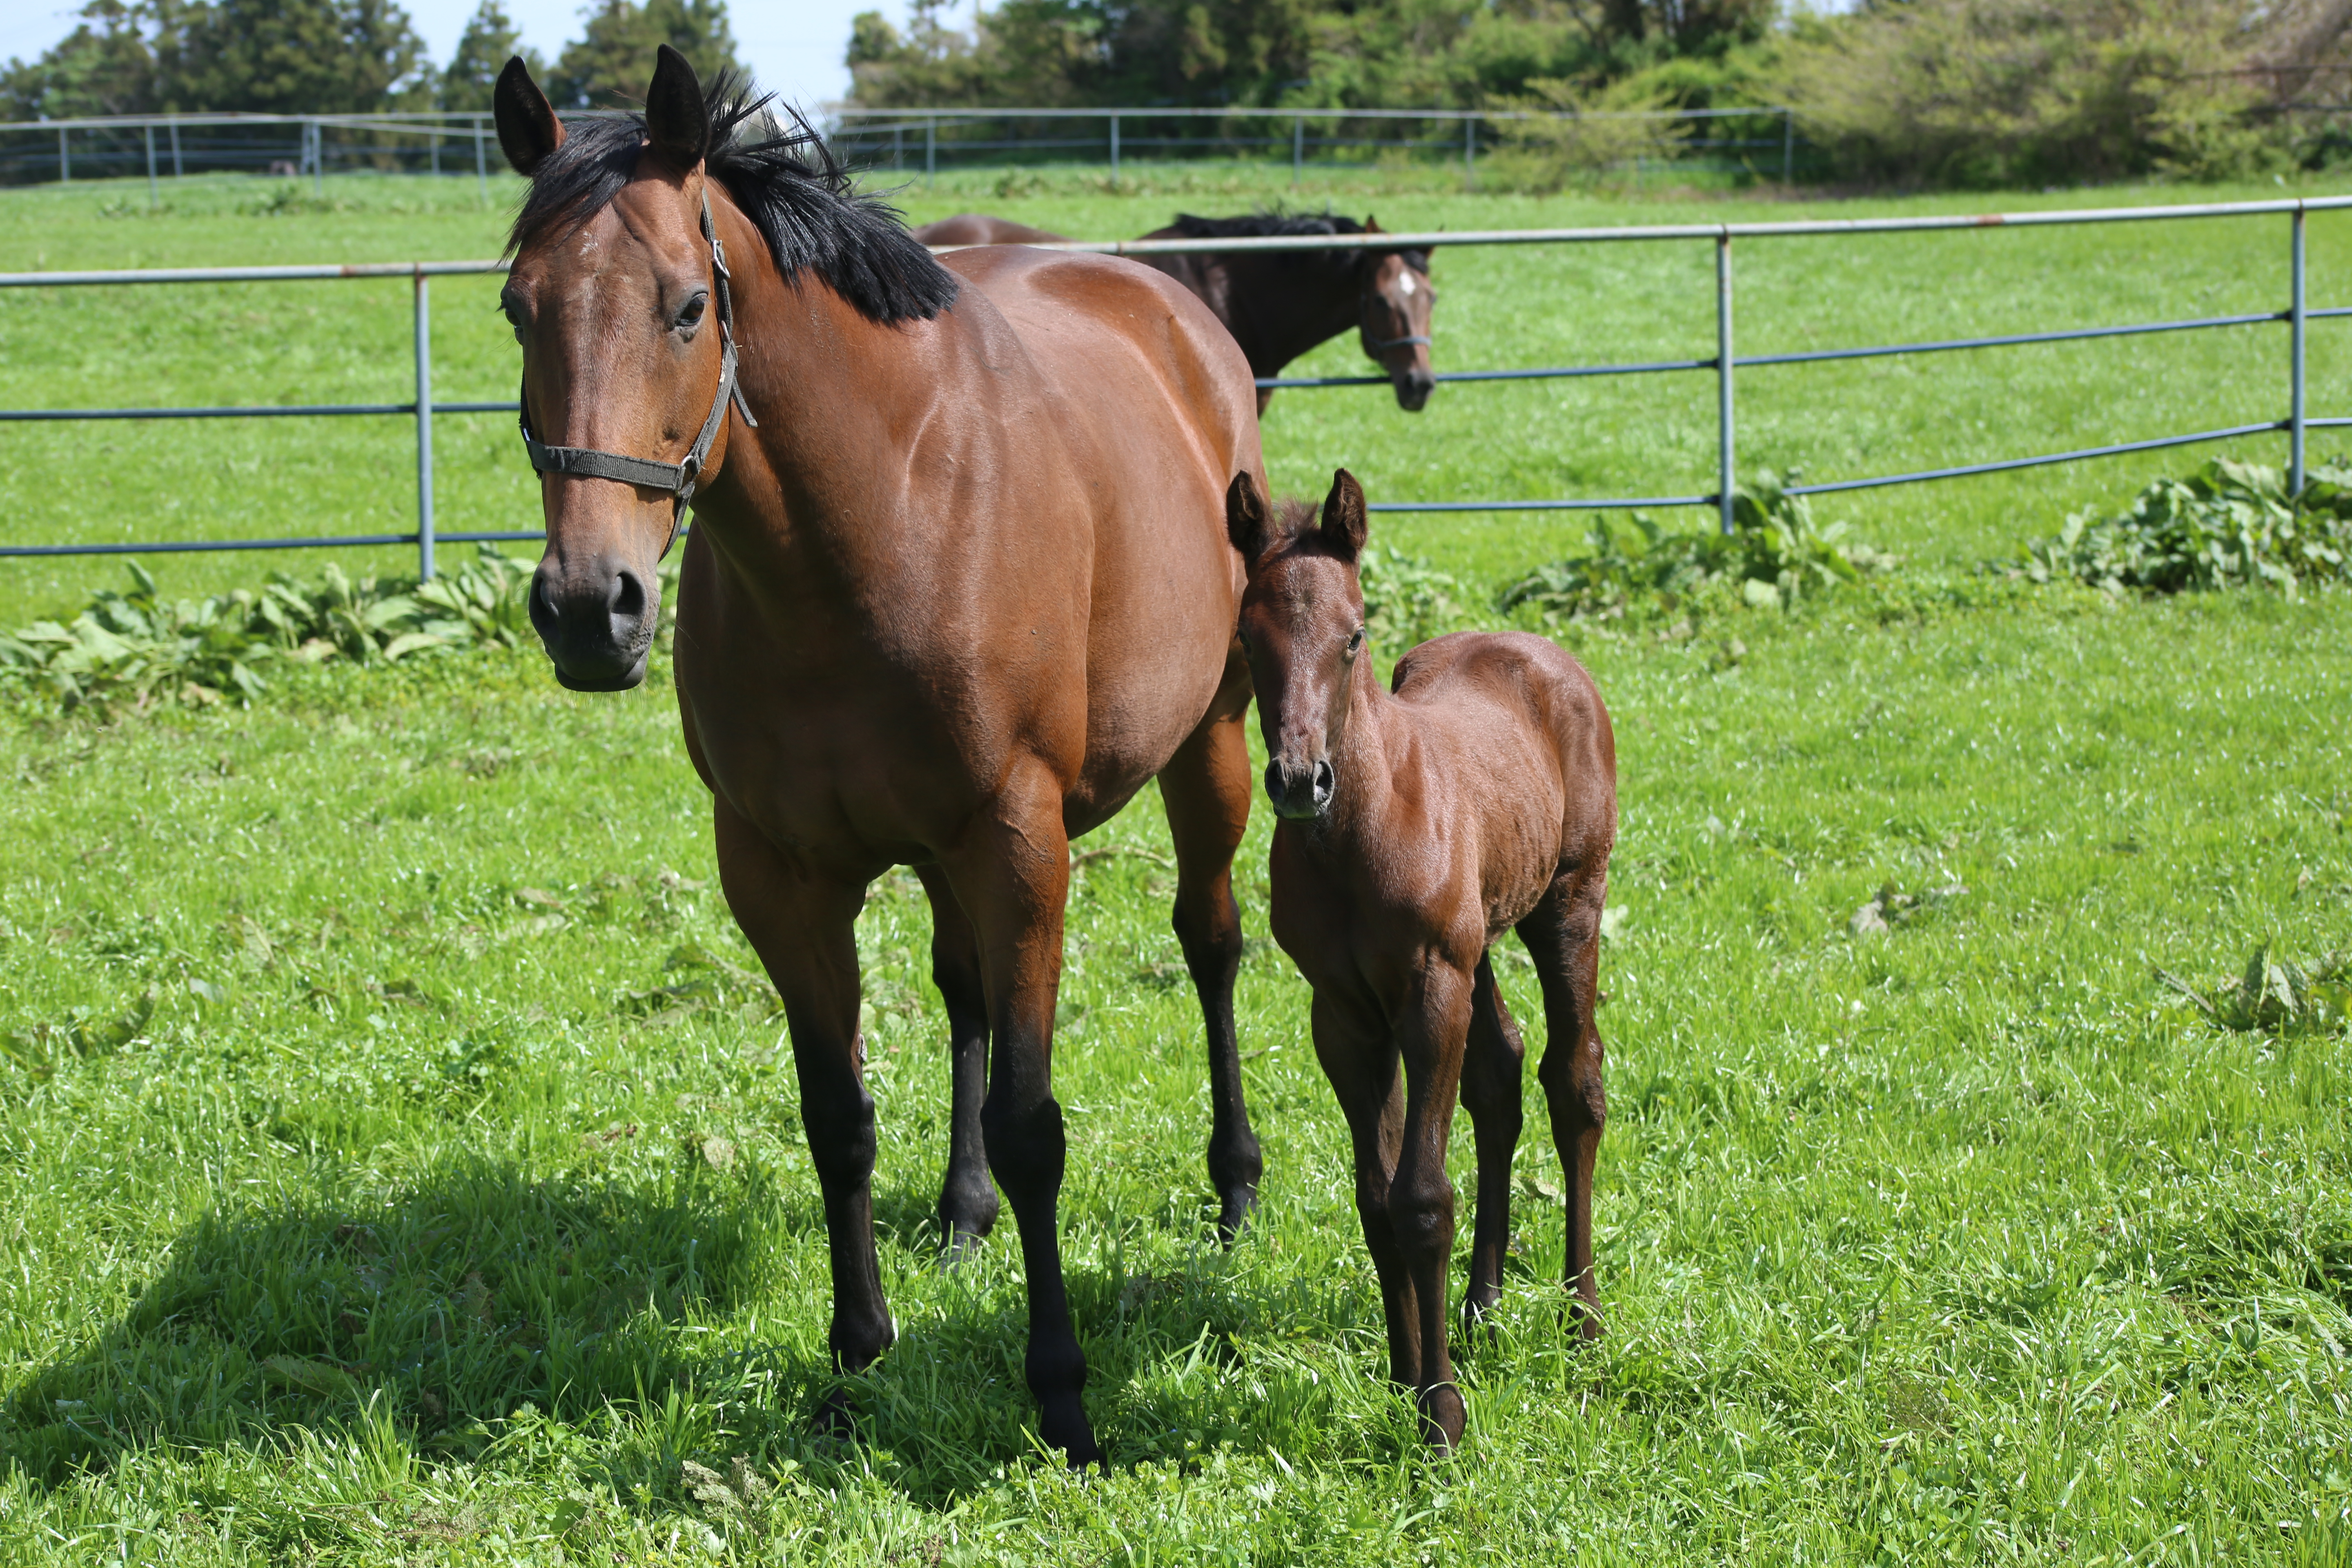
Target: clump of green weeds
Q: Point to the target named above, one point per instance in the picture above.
(1407, 600)
(2279, 995)
(2229, 525)
(140, 647)
(1775, 555)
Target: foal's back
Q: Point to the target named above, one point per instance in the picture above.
(1518, 714)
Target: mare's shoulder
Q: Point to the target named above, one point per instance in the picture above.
(981, 229)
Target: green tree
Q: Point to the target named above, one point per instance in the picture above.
(608, 66)
(113, 62)
(298, 57)
(483, 49)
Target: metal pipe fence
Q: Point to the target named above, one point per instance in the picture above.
(1723, 364)
(1757, 138)
(297, 146)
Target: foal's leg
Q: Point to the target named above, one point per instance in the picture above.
(1432, 1027)
(1563, 937)
(1012, 875)
(968, 1199)
(802, 925)
(1361, 1060)
(1491, 1074)
(1206, 788)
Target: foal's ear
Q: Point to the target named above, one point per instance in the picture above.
(1246, 516)
(1344, 525)
(528, 128)
(676, 118)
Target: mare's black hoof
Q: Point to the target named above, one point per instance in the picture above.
(1062, 1422)
(1234, 1216)
(1481, 1323)
(960, 1246)
(836, 1416)
(1443, 1417)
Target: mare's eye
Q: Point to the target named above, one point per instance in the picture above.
(691, 317)
(1355, 642)
(513, 315)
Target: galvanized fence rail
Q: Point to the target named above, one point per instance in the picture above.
(2296, 316)
(167, 146)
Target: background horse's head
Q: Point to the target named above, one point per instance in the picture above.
(1396, 305)
(613, 296)
(1302, 628)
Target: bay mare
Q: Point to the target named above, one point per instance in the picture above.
(962, 591)
(1277, 304)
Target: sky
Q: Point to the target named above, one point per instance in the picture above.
(793, 47)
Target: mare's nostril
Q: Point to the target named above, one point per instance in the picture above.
(543, 617)
(628, 600)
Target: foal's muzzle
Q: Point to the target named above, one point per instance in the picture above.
(1299, 791)
(597, 624)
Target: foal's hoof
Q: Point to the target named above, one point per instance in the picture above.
(1443, 1417)
(1062, 1422)
(1234, 1216)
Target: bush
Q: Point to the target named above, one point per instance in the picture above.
(141, 647)
(1774, 556)
(2229, 525)
(1407, 601)
(1990, 93)
(1578, 136)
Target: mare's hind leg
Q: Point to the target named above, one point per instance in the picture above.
(802, 921)
(1206, 788)
(968, 1202)
(1491, 1074)
(1563, 937)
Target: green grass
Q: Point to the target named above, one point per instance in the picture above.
(368, 1197)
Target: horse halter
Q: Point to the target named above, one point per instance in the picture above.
(678, 478)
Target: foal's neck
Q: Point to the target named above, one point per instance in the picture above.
(1362, 791)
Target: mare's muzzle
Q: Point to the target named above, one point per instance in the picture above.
(1413, 387)
(597, 623)
(1300, 790)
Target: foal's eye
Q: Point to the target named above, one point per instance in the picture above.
(1355, 642)
(691, 317)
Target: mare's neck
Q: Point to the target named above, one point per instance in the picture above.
(1290, 309)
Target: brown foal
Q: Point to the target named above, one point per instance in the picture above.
(1277, 304)
(957, 589)
(1416, 829)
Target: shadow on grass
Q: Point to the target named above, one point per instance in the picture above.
(445, 1306)
(447, 1303)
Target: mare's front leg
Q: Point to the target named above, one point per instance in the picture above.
(802, 921)
(967, 1204)
(1492, 1071)
(1432, 1030)
(1206, 788)
(1361, 1060)
(1563, 937)
(1012, 875)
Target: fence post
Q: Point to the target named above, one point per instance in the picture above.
(178, 173)
(423, 430)
(433, 147)
(65, 159)
(1469, 152)
(150, 129)
(317, 160)
(1114, 149)
(1787, 146)
(481, 160)
(930, 148)
(1723, 376)
(1297, 145)
(2295, 368)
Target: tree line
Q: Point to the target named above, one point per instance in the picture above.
(1984, 93)
(339, 56)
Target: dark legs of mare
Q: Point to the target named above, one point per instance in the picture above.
(967, 1204)
(1012, 876)
(1206, 788)
(1491, 1074)
(802, 921)
(1563, 936)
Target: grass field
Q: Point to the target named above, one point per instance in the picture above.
(398, 1163)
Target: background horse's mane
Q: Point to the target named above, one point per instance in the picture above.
(788, 183)
(1275, 221)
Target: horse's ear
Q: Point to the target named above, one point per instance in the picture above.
(676, 118)
(528, 128)
(1344, 525)
(1246, 516)
(1372, 225)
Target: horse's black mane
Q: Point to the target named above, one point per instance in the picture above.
(787, 182)
(1259, 225)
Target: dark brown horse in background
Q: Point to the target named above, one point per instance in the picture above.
(962, 591)
(1416, 829)
(1277, 304)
